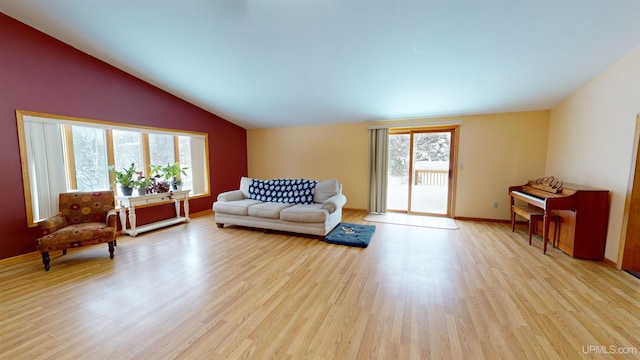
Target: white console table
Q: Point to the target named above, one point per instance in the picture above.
(130, 202)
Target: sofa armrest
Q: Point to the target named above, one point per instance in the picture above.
(334, 203)
(112, 218)
(53, 223)
(232, 195)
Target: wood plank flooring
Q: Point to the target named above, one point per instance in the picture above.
(194, 291)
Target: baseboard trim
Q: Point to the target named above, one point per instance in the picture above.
(201, 213)
(465, 218)
(610, 262)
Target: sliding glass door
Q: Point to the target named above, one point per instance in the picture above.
(420, 171)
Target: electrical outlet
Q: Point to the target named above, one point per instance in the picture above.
(495, 204)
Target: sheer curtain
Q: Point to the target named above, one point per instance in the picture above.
(47, 176)
(378, 140)
(199, 167)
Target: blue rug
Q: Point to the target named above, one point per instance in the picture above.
(351, 235)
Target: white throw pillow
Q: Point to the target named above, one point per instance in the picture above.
(325, 189)
(245, 182)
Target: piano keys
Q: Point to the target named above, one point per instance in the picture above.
(529, 199)
(583, 212)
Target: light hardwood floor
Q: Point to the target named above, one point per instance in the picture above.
(194, 291)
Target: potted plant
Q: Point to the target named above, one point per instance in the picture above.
(156, 170)
(170, 172)
(157, 173)
(142, 184)
(124, 178)
(158, 186)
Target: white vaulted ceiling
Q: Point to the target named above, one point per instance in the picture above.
(271, 63)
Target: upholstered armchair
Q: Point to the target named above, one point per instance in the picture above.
(85, 218)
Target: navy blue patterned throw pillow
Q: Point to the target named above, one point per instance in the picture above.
(291, 191)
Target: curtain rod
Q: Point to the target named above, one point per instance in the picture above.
(415, 124)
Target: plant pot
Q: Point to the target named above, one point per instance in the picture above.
(126, 191)
(142, 191)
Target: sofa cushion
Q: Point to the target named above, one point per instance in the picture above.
(313, 213)
(325, 189)
(79, 207)
(239, 207)
(292, 191)
(270, 210)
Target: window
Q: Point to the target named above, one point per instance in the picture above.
(127, 148)
(90, 159)
(184, 158)
(161, 149)
(87, 147)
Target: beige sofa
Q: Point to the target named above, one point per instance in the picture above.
(267, 204)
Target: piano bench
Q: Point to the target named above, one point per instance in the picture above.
(533, 215)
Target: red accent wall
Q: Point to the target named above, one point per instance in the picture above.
(40, 73)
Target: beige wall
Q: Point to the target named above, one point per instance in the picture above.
(591, 137)
(496, 151)
(313, 152)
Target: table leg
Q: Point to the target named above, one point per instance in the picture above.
(186, 208)
(513, 216)
(132, 220)
(176, 203)
(123, 217)
(545, 231)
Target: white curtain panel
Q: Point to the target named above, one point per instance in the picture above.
(47, 177)
(198, 165)
(378, 142)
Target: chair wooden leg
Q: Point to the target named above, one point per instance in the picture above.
(45, 260)
(111, 248)
(532, 225)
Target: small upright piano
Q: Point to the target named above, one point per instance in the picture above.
(583, 212)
